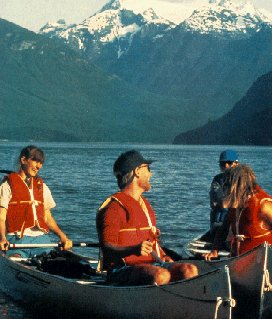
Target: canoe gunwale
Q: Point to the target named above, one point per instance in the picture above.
(99, 277)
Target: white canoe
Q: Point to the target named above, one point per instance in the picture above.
(205, 296)
(249, 273)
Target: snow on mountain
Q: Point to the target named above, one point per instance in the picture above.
(113, 23)
(110, 24)
(225, 17)
(53, 28)
(175, 11)
(120, 22)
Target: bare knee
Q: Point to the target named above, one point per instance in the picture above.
(191, 270)
(181, 271)
(147, 274)
(162, 276)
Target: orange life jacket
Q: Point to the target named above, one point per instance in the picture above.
(20, 211)
(138, 228)
(246, 224)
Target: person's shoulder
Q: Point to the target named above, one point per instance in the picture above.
(5, 182)
(266, 207)
(109, 202)
(5, 179)
(260, 194)
(110, 210)
(218, 178)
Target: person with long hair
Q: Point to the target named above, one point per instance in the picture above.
(25, 207)
(249, 212)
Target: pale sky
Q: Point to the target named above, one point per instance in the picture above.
(33, 14)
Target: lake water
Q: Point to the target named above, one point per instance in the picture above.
(80, 178)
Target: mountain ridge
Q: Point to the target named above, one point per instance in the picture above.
(49, 92)
(248, 123)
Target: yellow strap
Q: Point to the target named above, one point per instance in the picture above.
(242, 237)
(105, 203)
(258, 236)
(134, 229)
(30, 202)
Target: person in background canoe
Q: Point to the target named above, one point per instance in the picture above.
(227, 159)
(126, 226)
(250, 212)
(25, 204)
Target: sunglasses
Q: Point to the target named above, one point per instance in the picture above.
(146, 165)
(223, 164)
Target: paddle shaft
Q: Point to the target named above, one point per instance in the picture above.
(75, 244)
(6, 171)
(157, 258)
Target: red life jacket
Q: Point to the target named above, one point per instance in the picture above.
(20, 212)
(137, 228)
(249, 224)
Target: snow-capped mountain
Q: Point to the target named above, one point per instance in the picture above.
(226, 18)
(113, 25)
(209, 60)
(120, 22)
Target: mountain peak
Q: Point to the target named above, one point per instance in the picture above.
(116, 25)
(113, 5)
(151, 13)
(54, 27)
(222, 3)
(226, 18)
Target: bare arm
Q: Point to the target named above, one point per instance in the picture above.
(142, 249)
(53, 226)
(3, 241)
(266, 215)
(219, 240)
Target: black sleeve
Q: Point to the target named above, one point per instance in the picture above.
(216, 192)
(221, 235)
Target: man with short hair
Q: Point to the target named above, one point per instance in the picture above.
(126, 225)
(227, 159)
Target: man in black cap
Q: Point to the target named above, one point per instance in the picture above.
(126, 225)
(227, 159)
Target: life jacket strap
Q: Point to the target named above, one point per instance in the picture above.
(133, 229)
(30, 202)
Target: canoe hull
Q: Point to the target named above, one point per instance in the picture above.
(205, 296)
(249, 279)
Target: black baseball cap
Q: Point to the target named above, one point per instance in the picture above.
(128, 161)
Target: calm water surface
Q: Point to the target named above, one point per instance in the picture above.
(80, 178)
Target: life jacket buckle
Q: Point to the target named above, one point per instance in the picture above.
(240, 237)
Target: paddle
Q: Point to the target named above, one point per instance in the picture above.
(177, 257)
(157, 258)
(6, 171)
(75, 244)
